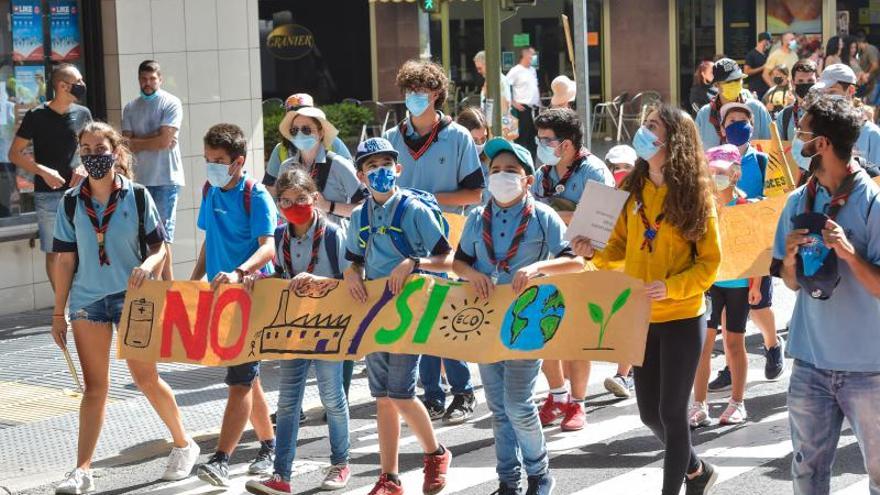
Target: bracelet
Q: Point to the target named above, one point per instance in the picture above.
(332, 206)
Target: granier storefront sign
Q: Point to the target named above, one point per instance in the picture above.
(290, 42)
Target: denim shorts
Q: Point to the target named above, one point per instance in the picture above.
(392, 375)
(165, 198)
(46, 208)
(105, 310)
(242, 374)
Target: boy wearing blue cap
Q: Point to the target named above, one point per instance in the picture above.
(512, 240)
(393, 234)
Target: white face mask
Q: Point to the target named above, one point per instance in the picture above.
(480, 148)
(505, 186)
(722, 181)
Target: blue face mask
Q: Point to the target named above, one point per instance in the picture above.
(547, 155)
(303, 142)
(382, 179)
(797, 149)
(150, 97)
(643, 142)
(738, 133)
(218, 174)
(417, 103)
(793, 45)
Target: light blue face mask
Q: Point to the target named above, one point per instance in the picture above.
(793, 45)
(547, 154)
(417, 103)
(797, 148)
(643, 142)
(382, 179)
(303, 142)
(150, 97)
(218, 174)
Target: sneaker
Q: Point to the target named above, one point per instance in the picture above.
(551, 410)
(702, 483)
(774, 365)
(734, 414)
(436, 467)
(722, 382)
(181, 461)
(619, 385)
(435, 409)
(461, 409)
(215, 471)
(698, 415)
(386, 487)
(337, 477)
(505, 489)
(264, 462)
(77, 481)
(541, 485)
(575, 418)
(269, 486)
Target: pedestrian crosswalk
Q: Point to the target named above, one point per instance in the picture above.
(615, 454)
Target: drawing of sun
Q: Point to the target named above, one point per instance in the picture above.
(466, 320)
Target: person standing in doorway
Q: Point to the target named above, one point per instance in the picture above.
(151, 123)
(754, 67)
(53, 128)
(523, 77)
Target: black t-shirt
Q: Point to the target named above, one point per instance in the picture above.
(54, 137)
(756, 59)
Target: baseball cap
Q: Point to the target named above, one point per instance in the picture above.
(373, 146)
(621, 153)
(765, 36)
(726, 70)
(723, 156)
(836, 73)
(734, 105)
(816, 263)
(497, 145)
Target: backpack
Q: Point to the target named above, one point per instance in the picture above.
(140, 192)
(763, 159)
(323, 172)
(249, 185)
(787, 112)
(398, 238)
(331, 236)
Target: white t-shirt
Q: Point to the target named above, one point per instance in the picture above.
(524, 81)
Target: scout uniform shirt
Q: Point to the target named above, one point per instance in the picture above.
(709, 135)
(92, 280)
(587, 168)
(284, 150)
(300, 252)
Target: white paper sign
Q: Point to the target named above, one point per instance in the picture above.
(596, 213)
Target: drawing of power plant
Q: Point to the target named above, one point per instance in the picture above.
(307, 334)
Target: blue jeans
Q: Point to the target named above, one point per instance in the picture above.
(46, 209)
(519, 441)
(165, 198)
(818, 401)
(105, 310)
(292, 385)
(457, 372)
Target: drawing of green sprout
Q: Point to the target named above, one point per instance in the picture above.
(598, 316)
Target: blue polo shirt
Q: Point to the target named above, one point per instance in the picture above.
(93, 281)
(868, 144)
(301, 252)
(231, 235)
(543, 239)
(589, 168)
(840, 333)
(752, 180)
(709, 135)
(380, 256)
(450, 163)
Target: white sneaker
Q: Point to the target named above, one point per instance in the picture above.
(698, 415)
(734, 414)
(78, 481)
(181, 461)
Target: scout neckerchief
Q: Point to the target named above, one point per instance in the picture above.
(651, 230)
(419, 146)
(715, 113)
(550, 191)
(100, 226)
(316, 244)
(504, 264)
(838, 199)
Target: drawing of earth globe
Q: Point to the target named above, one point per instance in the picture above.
(533, 318)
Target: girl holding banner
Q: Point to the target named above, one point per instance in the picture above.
(667, 236)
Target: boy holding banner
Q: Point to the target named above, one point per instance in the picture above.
(512, 240)
(373, 246)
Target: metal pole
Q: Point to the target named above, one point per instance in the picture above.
(492, 42)
(444, 37)
(582, 68)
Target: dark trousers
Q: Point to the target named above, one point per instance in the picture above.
(527, 130)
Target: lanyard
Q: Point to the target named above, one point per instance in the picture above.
(100, 227)
(316, 244)
(518, 235)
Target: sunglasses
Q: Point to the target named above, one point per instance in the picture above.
(307, 131)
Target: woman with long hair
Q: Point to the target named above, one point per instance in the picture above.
(702, 89)
(103, 252)
(833, 51)
(667, 236)
(474, 120)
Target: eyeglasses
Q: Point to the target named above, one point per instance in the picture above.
(545, 141)
(798, 133)
(307, 131)
(287, 203)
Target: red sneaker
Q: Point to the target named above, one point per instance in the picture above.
(270, 486)
(436, 467)
(551, 410)
(575, 418)
(386, 487)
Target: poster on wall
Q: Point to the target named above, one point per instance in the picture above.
(27, 31)
(30, 84)
(64, 30)
(798, 16)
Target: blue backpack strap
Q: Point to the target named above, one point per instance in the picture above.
(365, 231)
(396, 231)
(249, 185)
(762, 159)
(279, 237)
(331, 236)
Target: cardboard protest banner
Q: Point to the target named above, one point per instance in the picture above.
(747, 233)
(589, 316)
(778, 180)
(456, 227)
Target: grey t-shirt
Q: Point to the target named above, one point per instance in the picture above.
(144, 117)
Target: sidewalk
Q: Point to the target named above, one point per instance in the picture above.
(38, 420)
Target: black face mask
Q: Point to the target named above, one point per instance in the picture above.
(778, 80)
(802, 89)
(78, 90)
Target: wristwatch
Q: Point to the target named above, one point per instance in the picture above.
(241, 273)
(416, 263)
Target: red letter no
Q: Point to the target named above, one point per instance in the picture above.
(233, 295)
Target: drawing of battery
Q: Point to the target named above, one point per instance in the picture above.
(140, 323)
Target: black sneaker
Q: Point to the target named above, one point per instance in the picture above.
(774, 366)
(703, 483)
(461, 409)
(541, 485)
(722, 382)
(435, 409)
(505, 489)
(215, 471)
